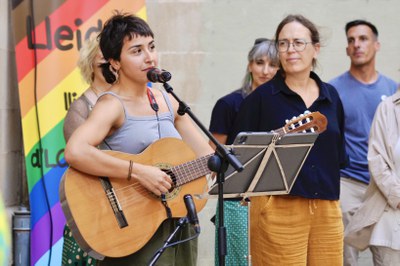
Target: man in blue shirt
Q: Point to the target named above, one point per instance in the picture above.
(361, 89)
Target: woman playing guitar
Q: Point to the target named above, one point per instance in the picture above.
(128, 118)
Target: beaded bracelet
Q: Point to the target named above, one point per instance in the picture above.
(130, 170)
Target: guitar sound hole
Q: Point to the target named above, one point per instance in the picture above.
(173, 177)
(173, 183)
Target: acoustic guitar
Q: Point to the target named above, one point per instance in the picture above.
(115, 217)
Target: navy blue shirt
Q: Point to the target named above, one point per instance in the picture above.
(224, 113)
(272, 103)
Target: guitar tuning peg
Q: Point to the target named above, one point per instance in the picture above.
(312, 130)
(286, 121)
(301, 115)
(306, 112)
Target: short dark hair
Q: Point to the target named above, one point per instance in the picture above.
(115, 30)
(358, 22)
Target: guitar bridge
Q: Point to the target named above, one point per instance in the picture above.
(114, 202)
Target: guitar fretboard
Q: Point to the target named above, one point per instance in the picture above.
(189, 171)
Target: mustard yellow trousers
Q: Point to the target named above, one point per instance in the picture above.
(289, 230)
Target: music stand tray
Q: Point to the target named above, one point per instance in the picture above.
(271, 164)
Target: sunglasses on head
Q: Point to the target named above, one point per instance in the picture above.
(260, 40)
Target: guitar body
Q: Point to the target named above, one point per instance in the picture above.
(90, 214)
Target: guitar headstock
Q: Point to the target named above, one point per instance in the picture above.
(307, 122)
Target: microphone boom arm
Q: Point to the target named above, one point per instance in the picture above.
(221, 150)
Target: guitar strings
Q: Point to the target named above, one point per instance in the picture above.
(180, 181)
(126, 201)
(134, 199)
(182, 173)
(129, 199)
(187, 170)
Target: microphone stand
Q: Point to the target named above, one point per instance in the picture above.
(218, 163)
(156, 256)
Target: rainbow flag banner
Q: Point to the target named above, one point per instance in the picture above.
(48, 35)
(4, 235)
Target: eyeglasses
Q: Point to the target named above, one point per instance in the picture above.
(260, 40)
(298, 45)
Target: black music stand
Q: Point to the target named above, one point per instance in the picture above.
(271, 165)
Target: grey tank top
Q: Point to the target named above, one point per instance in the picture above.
(137, 133)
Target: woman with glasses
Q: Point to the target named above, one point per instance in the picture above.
(304, 227)
(262, 66)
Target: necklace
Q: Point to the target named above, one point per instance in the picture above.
(96, 92)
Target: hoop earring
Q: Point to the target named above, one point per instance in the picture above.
(115, 73)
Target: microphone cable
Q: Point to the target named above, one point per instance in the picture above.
(181, 222)
(33, 34)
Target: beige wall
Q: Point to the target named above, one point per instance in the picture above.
(204, 44)
(11, 151)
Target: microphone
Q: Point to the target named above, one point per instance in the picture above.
(158, 75)
(191, 212)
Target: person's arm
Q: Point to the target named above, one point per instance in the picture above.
(192, 136)
(76, 115)
(190, 133)
(220, 137)
(343, 156)
(221, 121)
(379, 160)
(81, 152)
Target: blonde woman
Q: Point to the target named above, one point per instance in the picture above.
(90, 63)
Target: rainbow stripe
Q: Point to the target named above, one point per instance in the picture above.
(4, 235)
(47, 45)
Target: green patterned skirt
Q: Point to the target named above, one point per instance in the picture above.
(72, 254)
(236, 224)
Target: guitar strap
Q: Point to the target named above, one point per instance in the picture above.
(152, 100)
(155, 107)
(167, 208)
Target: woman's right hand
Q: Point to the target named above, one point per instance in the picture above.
(152, 178)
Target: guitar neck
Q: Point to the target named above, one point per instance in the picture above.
(184, 173)
(187, 172)
(280, 131)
